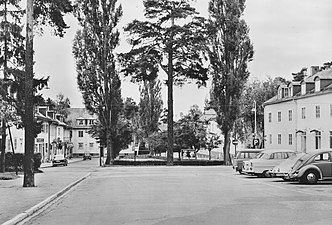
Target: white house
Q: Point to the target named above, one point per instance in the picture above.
(300, 116)
(80, 121)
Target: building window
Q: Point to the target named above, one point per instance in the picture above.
(80, 133)
(15, 143)
(330, 139)
(91, 145)
(318, 140)
(80, 145)
(303, 112)
(279, 116)
(270, 139)
(317, 111)
(279, 139)
(59, 131)
(80, 122)
(290, 115)
(290, 139)
(91, 122)
(270, 117)
(286, 92)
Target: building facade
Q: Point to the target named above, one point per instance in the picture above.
(300, 116)
(80, 121)
(58, 135)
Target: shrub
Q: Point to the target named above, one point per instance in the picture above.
(18, 159)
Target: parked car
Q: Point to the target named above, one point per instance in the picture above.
(242, 155)
(86, 156)
(312, 167)
(59, 160)
(265, 161)
(283, 169)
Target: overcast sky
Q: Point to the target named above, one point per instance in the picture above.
(287, 35)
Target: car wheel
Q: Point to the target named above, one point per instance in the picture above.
(266, 174)
(310, 177)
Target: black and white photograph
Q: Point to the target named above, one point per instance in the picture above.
(165, 112)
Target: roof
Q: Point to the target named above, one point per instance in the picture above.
(277, 150)
(324, 74)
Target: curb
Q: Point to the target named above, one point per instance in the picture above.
(37, 208)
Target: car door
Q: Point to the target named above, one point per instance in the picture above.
(323, 162)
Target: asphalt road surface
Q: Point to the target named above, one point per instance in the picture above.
(189, 195)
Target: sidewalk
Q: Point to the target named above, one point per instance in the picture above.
(16, 200)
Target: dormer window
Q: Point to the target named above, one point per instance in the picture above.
(286, 92)
(317, 84)
(303, 89)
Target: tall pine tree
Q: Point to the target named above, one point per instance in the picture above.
(170, 39)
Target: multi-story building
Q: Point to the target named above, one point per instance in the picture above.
(69, 137)
(300, 116)
(80, 121)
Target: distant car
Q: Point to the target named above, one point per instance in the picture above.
(59, 160)
(242, 155)
(265, 161)
(87, 156)
(312, 167)
(283, 169)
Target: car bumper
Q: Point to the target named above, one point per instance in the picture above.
(55, 163)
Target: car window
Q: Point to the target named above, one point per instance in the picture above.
(263, 156)
(322, 157)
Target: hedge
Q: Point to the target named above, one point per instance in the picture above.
(12, 160)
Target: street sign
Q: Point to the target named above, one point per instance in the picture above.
(235, 142)
(255, 142)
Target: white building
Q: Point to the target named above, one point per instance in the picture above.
(80, 121)
(300, 116)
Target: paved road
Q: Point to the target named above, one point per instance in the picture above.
(188, 195)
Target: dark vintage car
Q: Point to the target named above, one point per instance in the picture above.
(86, 156)
(242, 155)
(59, 160)
(312, 167)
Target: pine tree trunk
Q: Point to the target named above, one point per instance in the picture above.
(3, 147)
(29, 180)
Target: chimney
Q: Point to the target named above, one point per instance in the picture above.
(312, 70)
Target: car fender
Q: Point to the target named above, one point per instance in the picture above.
(309, 167)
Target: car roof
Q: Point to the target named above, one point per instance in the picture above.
(277, 150)
(250, 150)
(319, 151)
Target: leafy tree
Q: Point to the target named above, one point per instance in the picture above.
(97, 77)
(150, 107)
(259, 92)
(190, 131)
(60, 105)
(169, 42)
(229, 52)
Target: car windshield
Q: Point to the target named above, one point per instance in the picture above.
(246, 155)
(263, 156)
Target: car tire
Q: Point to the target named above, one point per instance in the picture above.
(309, 177)
(266, 174)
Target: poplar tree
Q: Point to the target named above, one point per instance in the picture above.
(150, 107)
(97, 77)
(230, 50)
(170, 39)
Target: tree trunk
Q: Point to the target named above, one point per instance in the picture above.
(29, 179)
(226, 147)
(3, 147)
(170, 103)
(3, 135)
